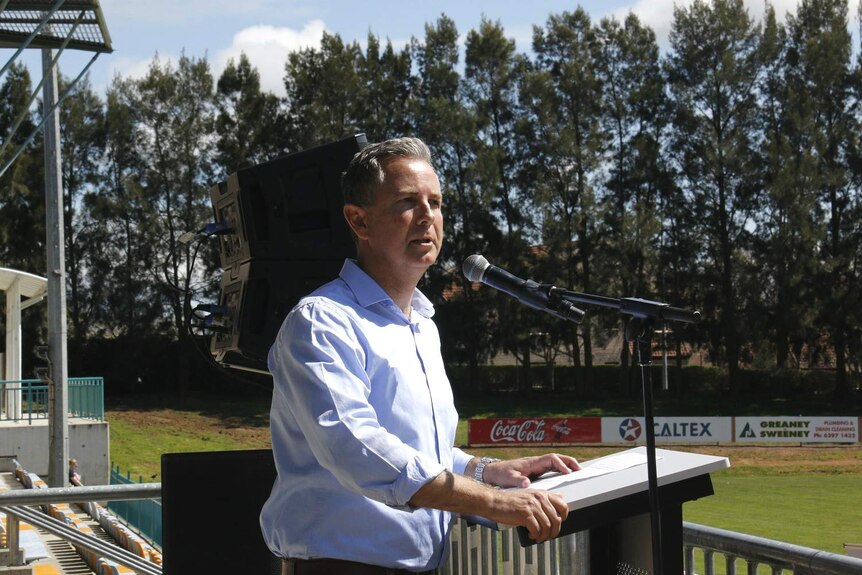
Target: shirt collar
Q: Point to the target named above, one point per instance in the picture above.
(369, 292)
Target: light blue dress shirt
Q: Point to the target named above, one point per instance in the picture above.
(362, 417)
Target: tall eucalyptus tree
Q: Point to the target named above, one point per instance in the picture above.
(713, 71)
(819, 62)
(82, 141)
(562, 128)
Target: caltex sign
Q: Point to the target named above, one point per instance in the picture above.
(668, 429)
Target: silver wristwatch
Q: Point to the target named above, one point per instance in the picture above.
(478, 473)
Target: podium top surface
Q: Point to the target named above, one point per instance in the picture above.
(584, 488)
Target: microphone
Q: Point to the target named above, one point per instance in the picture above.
(537, 296)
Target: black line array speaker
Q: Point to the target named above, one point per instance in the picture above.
(287, 237)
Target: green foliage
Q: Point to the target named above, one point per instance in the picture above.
(147, 364)
(22, 213)
(321, 86)
(250, 125)
(686, 385)
(712, 71)
(723, 175)
(81, 143)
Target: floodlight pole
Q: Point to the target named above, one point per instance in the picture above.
(58, 422)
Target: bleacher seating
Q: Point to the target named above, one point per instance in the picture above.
(28, 540)
(108, 567)
(121, 534)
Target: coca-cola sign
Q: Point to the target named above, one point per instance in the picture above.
(527, 431)
(534, 430)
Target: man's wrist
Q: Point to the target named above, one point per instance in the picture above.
(479, 471)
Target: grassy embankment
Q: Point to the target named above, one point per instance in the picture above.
(803, 495)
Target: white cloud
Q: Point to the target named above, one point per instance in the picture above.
(267, 48)
(658, 14)
(522, 34)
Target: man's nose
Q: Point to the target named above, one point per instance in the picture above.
(426, 212)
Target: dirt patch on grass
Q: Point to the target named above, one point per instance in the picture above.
(195, 424)
(824, 459)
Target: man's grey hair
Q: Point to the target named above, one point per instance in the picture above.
(365, 171)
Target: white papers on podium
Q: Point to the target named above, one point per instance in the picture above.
(594, 468)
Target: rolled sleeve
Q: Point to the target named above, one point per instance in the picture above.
(417, 473)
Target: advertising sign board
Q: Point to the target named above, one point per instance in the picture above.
(534, 430)
(668, 429)
(798, 429)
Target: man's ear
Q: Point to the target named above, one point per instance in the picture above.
(355, 216)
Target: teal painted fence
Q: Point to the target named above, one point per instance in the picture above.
(86, 399)
(144, 515)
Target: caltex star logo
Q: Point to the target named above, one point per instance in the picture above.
(630, 429)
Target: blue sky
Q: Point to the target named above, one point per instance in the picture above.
(267, 30)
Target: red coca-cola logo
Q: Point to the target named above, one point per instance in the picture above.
(524, 431)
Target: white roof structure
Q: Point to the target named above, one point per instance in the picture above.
(29, 285)
(22, 291)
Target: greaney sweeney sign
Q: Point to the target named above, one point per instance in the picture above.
(798, 429)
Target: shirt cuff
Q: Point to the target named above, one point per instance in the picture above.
(460, 461)
(417, 473)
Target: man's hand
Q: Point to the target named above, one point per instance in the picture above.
(520, 472)
(541, 512)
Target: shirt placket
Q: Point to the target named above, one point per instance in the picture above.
(440, 441)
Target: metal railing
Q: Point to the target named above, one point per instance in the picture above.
(477, 550)
(13, 503)
(756, 551)
(27, 399)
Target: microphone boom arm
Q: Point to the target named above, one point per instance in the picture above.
(560, 307)
(633, 306)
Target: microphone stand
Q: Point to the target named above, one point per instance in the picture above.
(643, 315)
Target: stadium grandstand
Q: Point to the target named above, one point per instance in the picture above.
(101, 545)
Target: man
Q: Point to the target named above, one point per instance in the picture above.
(363, 421)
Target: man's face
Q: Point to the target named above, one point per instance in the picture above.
(404, 226)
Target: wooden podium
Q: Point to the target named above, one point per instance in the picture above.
(614, 508)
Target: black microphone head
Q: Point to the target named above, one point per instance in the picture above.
(474, 267)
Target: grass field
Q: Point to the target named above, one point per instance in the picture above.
(809, 496)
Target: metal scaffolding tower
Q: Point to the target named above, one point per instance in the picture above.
(51, 25)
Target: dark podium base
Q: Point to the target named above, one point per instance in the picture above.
(211, 505)
(620, 534)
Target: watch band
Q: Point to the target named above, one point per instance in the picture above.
(479, 472)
